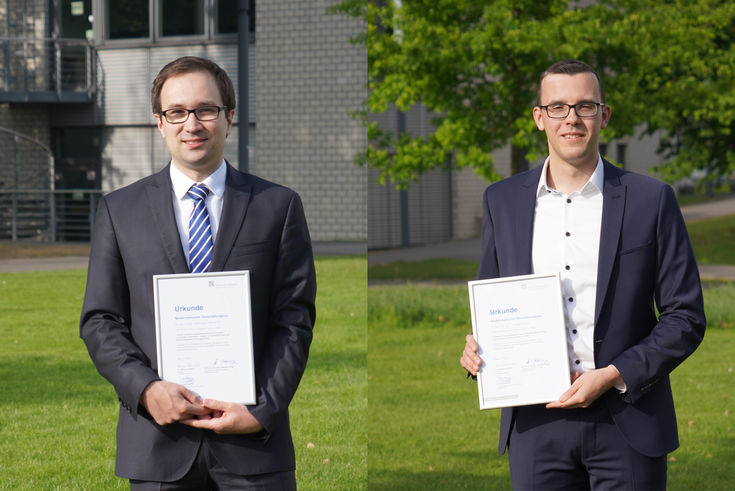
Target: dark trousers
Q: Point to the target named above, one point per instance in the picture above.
(571, 449)
(208, 474)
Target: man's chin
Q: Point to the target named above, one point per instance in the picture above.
(198, 165)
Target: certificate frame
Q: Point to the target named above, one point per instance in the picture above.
(204, 335)
(518, 324)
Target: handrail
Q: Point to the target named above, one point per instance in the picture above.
(57, 69)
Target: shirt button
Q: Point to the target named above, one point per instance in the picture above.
(574, 331)
(567, 267)
(571, 299)
(568, 200)
(567, 234)
(576, 362)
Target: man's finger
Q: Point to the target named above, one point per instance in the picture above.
(471, 343)
(204, 424)
(215, 404)
(191, 396)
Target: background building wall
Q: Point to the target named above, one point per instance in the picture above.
(22, 163)
(132, 146)
(310, 79)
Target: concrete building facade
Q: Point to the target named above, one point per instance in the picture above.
(305, 80)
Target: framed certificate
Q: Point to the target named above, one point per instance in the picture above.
(518, 323)
(204, 337)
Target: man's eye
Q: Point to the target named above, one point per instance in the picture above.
(557, 107)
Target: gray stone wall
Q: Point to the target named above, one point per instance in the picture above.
(310, 79)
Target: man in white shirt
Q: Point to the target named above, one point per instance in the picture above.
(619, 242)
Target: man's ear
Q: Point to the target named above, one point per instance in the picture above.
(159, 123)
(606, 112)
(230, 116)
(538, 118)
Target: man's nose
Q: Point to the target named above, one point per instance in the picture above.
(572, 116)
(192, 123)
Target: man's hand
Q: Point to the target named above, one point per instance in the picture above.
(168, 402)
(587, 387)
(225, 418)
(470, 360)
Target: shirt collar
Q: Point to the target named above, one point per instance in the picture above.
(181, 182)
(595, 182)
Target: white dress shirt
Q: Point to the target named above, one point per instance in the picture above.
(566, 239)
(184, 205)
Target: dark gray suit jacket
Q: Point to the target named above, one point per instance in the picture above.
(645, 257)
(262, 229)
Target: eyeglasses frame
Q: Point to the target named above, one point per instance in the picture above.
(573, 106)
(190, 111)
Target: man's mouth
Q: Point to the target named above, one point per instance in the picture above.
(572, 136)
(194, 142)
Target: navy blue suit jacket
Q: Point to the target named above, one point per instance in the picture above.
(262, 229)
(645, 257)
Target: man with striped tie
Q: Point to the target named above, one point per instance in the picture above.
(199, 214)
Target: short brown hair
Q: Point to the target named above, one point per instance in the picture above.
(189, 64)
(569, 67)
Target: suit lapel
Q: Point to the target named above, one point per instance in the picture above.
(526, 210)
(162, 211)
(234, 206)
(613, 208)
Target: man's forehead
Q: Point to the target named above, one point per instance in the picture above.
(562, 87)
(199, 84)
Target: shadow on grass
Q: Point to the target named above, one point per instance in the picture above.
(328, 360)
(38, 380)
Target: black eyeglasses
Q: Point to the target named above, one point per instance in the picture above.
(582, 109)
(204, 113)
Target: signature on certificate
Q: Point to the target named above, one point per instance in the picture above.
(532, 363)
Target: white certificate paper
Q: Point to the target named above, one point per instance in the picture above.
(204, 333)
(518, 323)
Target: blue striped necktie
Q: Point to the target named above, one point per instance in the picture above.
(200, 233)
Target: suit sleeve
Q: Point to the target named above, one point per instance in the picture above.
(105, 320)
(678, 295)
(489, 259)
(291, 320)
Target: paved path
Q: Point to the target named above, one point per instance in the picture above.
(77, 262)
(469, 249)
(710, 209)
(459, 249)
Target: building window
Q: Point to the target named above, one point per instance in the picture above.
(75, 19)
(226, 16)
(128, 19)
(131, 19)
(181, 17)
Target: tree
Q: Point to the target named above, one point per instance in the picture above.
(475, 64)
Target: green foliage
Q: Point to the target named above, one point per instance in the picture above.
(474, 65)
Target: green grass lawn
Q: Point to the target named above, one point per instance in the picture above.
(713, 240)
(426, 430)
(57, 423)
